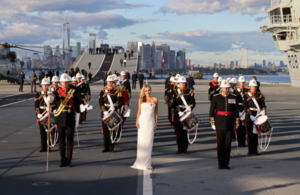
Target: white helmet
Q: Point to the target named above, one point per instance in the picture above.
(64, 78)
(242, 79)
(228, 79)
(45, 81)
(78, 75)
(233, 81)
(55, 79)
(120, 80)
(182, 79)
(225, 84)
(74, 79)
(110, 78)
(82, 77)
(253, 83)
(114, 77)
(177, 76)
(220, 79)
(216, 75)
(70, 78)
(123, 73)
(172, 79)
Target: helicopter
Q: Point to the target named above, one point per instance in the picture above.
(10, 65)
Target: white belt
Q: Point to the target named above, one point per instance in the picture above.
(181, 106)
(108, 105)
(241, 104)
(82, 93)
(253, 109)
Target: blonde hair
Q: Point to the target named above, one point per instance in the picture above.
(142, 94)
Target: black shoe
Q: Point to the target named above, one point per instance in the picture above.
(105, 150)
(242, 145)
(221, 167)
(250, 153)
(112, 151)
(69, 164)
(178, 152)
(256, 153)
(227, 167)
(186, 152)
(62, 165)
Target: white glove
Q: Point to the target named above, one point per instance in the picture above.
(49, 99)
(263, 112)
(180, 114)
(252, 118)
(54, 111)
(213, 127)
(112, 108)
(77, 119)
(105, 113)
(39, 115)
(188, 109)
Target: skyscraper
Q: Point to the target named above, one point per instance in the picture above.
(183, 58)
(180, 56)
(166, 53)
(78, 49)
(264, 63)
(92, 41)
(172, 59)
(24, 55)
(244, 63)
(57, 57)
(66, 43)
(145, 52)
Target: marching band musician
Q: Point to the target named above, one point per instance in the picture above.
(87, 96)
(74, 81)
(41, 106)
(107, 94)
(67, 102)
(168, 96)
(240, 92)
(55, 83)
(254, 104)
(213, 86)
(232, 84)
(80, 88)
(223, 114)
(126, 83)
(179, 109)
(125, 97)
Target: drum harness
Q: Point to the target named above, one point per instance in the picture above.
(45, 114)
(187, 106)
(265, 139)
(116, 139)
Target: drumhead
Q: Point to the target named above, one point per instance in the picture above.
(261, 119)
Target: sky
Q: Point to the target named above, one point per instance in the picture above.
(212, 31)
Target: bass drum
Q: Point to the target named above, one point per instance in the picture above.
(263, 125)
(112, 120)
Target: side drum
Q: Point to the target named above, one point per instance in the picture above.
(263, 125)
(112, 120)
(190, 121)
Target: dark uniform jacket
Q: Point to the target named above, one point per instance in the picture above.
(115, 96)
(87, 91)
(40, 105)
(65, 114)
(81, 90)
(240, 93)
(249, 105)
(168, 93)
(134, 77)
(126, 83)
(178, 105)
(212, 89)
(224, 103)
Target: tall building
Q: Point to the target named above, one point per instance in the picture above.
(179, 63)
(244, 63)
(74, 51)
(180, 56)
(166, 53)
(153, 54)
(145, 53)
(157, 59)
(92, 41)
(172, 59)
(188, 62)
(66, 43)
(35, 60)
(183, 59)
(231, 64)
(264, 63)
(236, 63)
(132, 44)
(281, 64)
(24, 55)
(57, 57)
(78, 49)
(139, 45)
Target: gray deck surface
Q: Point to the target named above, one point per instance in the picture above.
(130, 64)
(275, 171)
(96, 62)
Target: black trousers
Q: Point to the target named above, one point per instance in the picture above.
(62, 145)
(141, 84)
(43, 136)
(182, 140)
(224, 145)
(124, 64)
(133, 84)
(241, 133)
(21, 86)
(252, 140)
(121, 64)
(106, 138)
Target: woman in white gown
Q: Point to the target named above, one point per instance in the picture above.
(146, 122)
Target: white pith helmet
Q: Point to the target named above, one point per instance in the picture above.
(55, 79)
(241, 79)
(74, 79)
(233, 81)
(220, 79)
(253, 83)
(225, 84)
(123, 73)
(110, 78)
(216, 75)
(182, 79)
(64, 78)
(45, 81)
(78, 75)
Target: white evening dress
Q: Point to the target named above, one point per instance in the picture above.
(145, 137)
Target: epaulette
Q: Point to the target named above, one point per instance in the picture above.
(216, 94)
(104, 88)
(232, 94)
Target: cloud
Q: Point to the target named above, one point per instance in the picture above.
(144, 37)
(259, 19)
(216, 41)
(164, 33)
(182, 7)
(132, 33)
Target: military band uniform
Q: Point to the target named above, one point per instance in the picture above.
(67, 102)
(40, 108)
(126, 83)
(178, 106)
(241, 131)
(81, 90)
(213, 88)
(116, 98)
(223, 115)
(251, 110)
(87, 97)
(168, 99)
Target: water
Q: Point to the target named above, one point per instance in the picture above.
(281, 78)
(27, 73)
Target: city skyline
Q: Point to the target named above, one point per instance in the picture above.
(116, 22)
